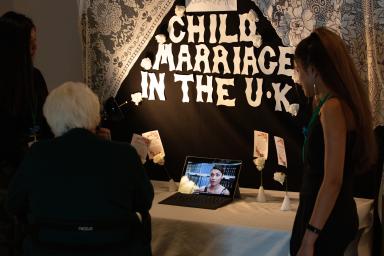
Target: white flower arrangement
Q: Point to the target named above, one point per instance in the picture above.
(159, 158)
(252, 16)
(293, 109)
(257, 40)
(187, 186)
(146, 63)
(259, 162)
(160, 38)
(136, 98)
(179, 10)
(279, 177)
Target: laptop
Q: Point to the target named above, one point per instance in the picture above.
(207, 183)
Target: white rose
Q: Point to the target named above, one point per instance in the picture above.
(252, 16)
(183, 180)
(279, 177)
(179, 10)
(160, 38)
(186, 186)
(146, 63)
(293, 109)
(159, 159)
(259, 162)
(136, 98)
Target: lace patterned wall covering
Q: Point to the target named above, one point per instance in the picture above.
(359, 22)
(114, 33)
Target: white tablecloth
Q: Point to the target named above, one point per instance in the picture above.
(245, 227)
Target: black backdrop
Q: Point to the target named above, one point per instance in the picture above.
(205, 129)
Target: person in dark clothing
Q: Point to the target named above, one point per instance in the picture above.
(23, 92)
(81, 193)
(339, 142)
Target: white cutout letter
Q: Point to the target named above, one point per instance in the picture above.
(280, 96)
(156, 85)
(221, 92)
(249, 60)
(164, 55)
(224, 38)
(202, 54)
(244, 37)
(171, 29)
(184, 56)
(249, 90)
(144, 84)
(272, 64)
(212, 28)
(283, 60)
(192, 29)
(184, 84)
(220, 56)
(208, 88)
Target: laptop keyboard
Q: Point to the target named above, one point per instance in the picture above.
(196, 200)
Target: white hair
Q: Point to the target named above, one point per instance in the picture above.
(72, 105)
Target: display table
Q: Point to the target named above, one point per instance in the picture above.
(244, 227)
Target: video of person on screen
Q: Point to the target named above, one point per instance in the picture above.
(211, 178)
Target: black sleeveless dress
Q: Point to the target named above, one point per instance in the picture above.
(341, 227)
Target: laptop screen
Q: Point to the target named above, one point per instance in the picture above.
(212, 176)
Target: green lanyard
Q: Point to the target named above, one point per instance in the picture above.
(314, 116)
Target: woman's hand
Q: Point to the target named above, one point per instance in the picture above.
(307, 247)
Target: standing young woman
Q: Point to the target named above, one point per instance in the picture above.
(339, 142)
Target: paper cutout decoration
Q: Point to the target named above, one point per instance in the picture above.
(260, 144)
(141, 145)
(280, 148)
(146, 63)
(136, 98)
(155, 146)
(187, 186)
(179, 10)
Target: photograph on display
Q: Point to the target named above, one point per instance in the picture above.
(280, 149)
(210, 5)
(155, 146)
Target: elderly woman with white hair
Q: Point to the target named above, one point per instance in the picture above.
(79, 192)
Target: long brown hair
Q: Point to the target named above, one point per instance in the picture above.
(327, 52)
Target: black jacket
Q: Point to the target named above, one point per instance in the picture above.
(77, 178)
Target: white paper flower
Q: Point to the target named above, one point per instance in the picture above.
(257, 40)
(179, 10)
(184, 180)
(159, 158)
(293, 109)
(186, 186)
(146, 63)
(259, 162)
(136, 98)
(279, 177)
(160, 38)
(252, 16)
